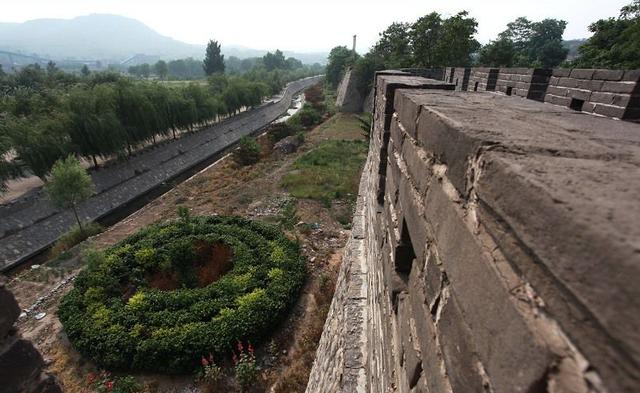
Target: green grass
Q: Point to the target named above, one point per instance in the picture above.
(330, 171)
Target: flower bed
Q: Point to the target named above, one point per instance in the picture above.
(166, 295)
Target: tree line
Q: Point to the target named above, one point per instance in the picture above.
(47, 114)
(435, 41)
(191, 69)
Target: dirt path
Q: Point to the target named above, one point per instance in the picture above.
(222, 188)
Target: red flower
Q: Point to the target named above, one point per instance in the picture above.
(91, 378)
(204, 362)
(109, 385)
(251, 349)
(240, 347)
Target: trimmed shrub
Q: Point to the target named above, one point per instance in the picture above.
(248, 151)
(142, 305)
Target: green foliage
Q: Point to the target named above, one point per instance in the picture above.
(106, 383)
(340, 58)
(615, 42)
(118, 317)
(366, 121)
(248, 151)
(68, 185)
(527, 44)
(394, 46)
(288, 217)
(498, 53)
(330, 171)
(161, 69)
(73, 237)
(48, 114)
(245, 367)
(213, 59)
(274, 61)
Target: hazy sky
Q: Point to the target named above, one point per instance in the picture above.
(309, 25)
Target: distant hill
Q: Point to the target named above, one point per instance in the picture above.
(110, 38)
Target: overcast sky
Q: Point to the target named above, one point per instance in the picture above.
(309, 25)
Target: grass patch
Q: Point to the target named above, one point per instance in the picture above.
(73, 237)
(330, 171)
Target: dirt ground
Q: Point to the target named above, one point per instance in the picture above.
(223, 189)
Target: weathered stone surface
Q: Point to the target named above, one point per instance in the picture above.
(348, 98)
(504, 254)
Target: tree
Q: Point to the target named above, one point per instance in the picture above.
(457, 44)
(85, 71)
(425, 36)
(161, 69)
(69, 185)
(52, 69)
(440, 42)
(394, 46)
(339, 59)
(536, 44)
(274, 61)
(498, 53)
(213, 59)
(615, 42)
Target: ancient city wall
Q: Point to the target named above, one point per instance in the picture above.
(495, 249)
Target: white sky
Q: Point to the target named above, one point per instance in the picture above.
(308, 26)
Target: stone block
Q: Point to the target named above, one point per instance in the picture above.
(568, 82)
(609, 110)
(592, 261)
(619, 87)
(579, 73)
(410, 201)
(418, 166)
(507, 348)
(459, 350)
(631, 75)
(561, 72)
(608, 75)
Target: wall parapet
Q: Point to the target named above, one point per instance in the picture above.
(499, 253)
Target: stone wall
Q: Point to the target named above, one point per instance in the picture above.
(495, 249)
(611, 93)
(483, 79)
(33, 224)
(348, 98)
(459, 76)
(20, 363)
(529, 83)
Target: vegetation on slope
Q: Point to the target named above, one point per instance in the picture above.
(160, 300)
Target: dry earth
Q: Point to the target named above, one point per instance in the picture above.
(223, 188)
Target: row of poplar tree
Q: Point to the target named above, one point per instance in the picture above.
(46, 114)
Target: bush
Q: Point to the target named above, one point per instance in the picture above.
(248, 151)
(141, 305)
(73, 237)
(280, 131)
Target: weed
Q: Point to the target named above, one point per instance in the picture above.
(73, 237)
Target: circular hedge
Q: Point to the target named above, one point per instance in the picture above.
(160, 299)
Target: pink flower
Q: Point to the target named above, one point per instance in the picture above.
(251, 349)
(91, 378)
(109, 385)
(240, 347)
(235, 358)
(204, 362)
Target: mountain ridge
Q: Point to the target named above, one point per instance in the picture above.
(109, 37)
